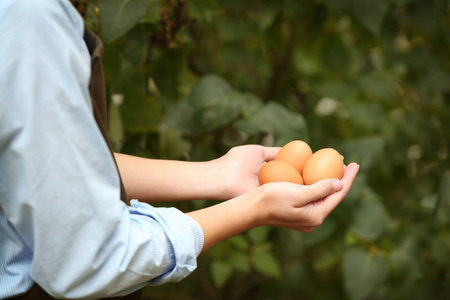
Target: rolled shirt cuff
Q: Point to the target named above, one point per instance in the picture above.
(185, 236)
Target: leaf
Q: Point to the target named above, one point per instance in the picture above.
(369, 13)
(212, 103)
(405, 259)
(165, 71)
(365, 151)
(425, 16)
(231, 30)
(239, 261)
(140, 112)
(442, 210)
(172, 145)
(446, 289)
(297, 8)
(334, 53)
(209, 87)
(203, 9)
(370, 218)
(367, 118)
(417, 290)
(440, 248)
(320, 234)
(239, 241)
(215, 102)
(273, 118)
(375, 84)
(295, 275)
(134, 47)
(264, 261)
(181, 118)
(435, 79)
(337, 7)
(119, 16)
(267, 15)
(363, 273)
(340, 89)
(419, 128)
(250, 104)
(259, 234)
(306, 62)
(111, 62)
(221, 251)
(153, 14)
(220, 272)
(327, 259)
(353, 196)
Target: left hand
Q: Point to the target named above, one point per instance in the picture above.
(240, 168)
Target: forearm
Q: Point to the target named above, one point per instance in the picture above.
(154, 180)
(226, 219)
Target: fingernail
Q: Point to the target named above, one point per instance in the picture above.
(337, 185)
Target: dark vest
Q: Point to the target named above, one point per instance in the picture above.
(98, 97)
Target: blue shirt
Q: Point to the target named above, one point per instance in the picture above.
(62, 223)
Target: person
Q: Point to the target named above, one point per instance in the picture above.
(64, 231)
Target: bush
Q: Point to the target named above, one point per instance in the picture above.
(188, 79)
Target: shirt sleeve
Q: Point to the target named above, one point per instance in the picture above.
(59, 187)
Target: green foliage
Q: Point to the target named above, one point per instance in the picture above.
(369, 78)
(119, 16)
(363, 273)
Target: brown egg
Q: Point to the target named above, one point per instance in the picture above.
(295, 153)
(323, 164)
(278, 171)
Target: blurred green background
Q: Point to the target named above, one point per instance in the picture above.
(189, 79)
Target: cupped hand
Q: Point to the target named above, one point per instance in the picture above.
(240, 167)
(304, 207)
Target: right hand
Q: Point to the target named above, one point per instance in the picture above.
(303, 207)
(280, 204)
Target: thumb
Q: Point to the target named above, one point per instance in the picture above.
(269, 153)
(323, 188)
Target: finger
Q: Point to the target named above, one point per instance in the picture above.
(306, 228)
(333, 200)
(269, 153)
(302, 228)
(349, 174)
(320, 190)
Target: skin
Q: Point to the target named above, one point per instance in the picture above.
(234, 176)
(155, 180)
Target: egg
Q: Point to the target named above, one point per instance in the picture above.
(295, 153)
(323, 164)
(278, 171)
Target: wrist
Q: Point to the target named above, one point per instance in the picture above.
(221, 180)
(229, 218)
(217, 180)
(261, 209)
